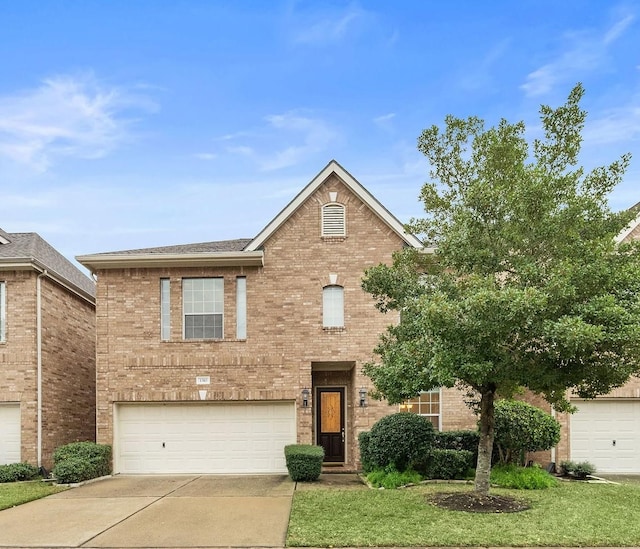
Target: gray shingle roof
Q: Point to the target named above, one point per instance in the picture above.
(30, 247)
(236, 245)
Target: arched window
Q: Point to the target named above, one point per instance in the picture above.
(333, 306)
(333, 220)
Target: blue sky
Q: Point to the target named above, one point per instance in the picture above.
(139, 123)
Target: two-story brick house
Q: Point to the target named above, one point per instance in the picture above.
(47, 350)
(211, 357)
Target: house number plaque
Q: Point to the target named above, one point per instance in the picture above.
(203, 380)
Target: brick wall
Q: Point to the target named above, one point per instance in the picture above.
(68, 366)
(68, 363)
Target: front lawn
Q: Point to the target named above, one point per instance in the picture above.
(16, 493)
(572, 514)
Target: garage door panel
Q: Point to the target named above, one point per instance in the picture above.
(204, 438)
(10, 433)
(607, 434)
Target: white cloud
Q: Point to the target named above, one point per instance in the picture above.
(205, 156)
(328, 27)
(618, 125)
(384, 121)
(72, 116)
(284, 140)
(586, 51)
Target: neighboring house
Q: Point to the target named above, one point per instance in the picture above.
(47, 351)
(606, 430)
(212, 357)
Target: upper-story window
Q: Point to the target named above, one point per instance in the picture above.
(333, 306)
(203, 308)
(165, 309)
(333, 220)
(3, 312)
(426, 404)
(241, 307)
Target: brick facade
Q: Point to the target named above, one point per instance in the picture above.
(68, 363)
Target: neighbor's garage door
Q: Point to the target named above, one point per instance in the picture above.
(9, 433)
(204, 438)
(607, 434)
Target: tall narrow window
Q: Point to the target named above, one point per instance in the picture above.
(203, 302)
(333, 220)
(333, 306)
(165, 310)
(241, 307)
(3, 312)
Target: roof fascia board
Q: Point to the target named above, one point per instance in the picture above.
(354, 186)
(123, 261)
(29, 264)
(628, 230)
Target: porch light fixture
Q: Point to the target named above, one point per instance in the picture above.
(305, 397)
(363, 397)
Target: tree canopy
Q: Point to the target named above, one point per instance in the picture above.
(526, 287)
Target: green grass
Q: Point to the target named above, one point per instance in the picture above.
(522, 478)
(16, 493)
(571, 514)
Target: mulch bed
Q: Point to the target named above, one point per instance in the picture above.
(477, 503)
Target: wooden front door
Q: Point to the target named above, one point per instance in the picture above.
(330, 423)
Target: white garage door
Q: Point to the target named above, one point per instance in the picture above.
(204, 438)
(607, 434)
(9, 433)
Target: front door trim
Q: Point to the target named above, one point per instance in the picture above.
(336, 438)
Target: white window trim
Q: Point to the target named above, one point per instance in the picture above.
(165, 309)
(403, 407)
(185, 314)
(332, 306)
(241, 307)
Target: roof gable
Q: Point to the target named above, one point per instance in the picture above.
(354, 186)
(631, 229)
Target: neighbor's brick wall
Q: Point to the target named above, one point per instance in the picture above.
(18, 357)
(284, 311)
(68, 366)
(68, 363)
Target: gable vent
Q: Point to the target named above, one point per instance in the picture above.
(333, 220)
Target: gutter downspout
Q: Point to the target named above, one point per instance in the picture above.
(39, 361)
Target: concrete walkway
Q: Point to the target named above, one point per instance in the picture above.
(156, 511)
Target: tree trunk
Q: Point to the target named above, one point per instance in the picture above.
(485, 445)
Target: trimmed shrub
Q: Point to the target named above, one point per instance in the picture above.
(521, 427)
(80, 461)
(458, 440)
(580, 470)
(448, 464)
(399, 440)
(15, 472)
(365, 457)
(522, 478)
(390, 478)
(304, 461)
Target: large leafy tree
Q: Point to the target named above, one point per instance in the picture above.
(526, 288)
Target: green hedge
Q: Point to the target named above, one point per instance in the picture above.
(81, 461)
(448, 464)
(365, 456)
(14, 472)
(398, 440)
(304, 461)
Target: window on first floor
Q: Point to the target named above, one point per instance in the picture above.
(203, 308)
(333, 306)
(427, 404)
(3, 312)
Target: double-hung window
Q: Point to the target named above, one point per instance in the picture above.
(3, 312)
(203, 307)
(426, 404)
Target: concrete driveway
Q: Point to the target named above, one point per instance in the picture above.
(156, 511)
